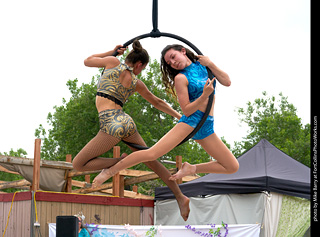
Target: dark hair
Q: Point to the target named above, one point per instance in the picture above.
(137, 54)
(168, 73)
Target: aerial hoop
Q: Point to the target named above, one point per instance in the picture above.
(155, 33)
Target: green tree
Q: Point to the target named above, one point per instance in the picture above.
(11, 177)
(19, 153)
(73, 123)
(275, 119)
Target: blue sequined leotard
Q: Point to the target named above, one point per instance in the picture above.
(197, 76)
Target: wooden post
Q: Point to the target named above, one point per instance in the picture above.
(69, 179)
(87, 178)
(179, 165)
(117, 180)
(135, 188)
(36, 165)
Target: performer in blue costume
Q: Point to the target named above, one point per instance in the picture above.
(185, 77)
(197, 76)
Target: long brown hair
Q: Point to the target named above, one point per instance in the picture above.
(168, 73)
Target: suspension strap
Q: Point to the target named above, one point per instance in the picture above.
(155, 30)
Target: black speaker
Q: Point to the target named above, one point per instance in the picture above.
(67, 226)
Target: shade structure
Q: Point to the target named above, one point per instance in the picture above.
(262, 168)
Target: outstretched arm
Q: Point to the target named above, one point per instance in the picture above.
(158, 103)
(102, 59)
(220, 75)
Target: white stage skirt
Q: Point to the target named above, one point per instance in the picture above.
(240, 230)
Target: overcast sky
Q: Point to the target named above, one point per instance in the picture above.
(262, 45)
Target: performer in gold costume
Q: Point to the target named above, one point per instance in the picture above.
(116, 84)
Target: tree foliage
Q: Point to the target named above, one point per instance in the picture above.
(73, 123)
(12, 177)
(19, 153)
(275, 120)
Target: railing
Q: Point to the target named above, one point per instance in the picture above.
(115, 188)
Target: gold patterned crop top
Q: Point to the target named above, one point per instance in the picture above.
(110, 87)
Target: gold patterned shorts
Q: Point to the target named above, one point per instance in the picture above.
(117, 123)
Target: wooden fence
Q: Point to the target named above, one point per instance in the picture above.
(43, 207)
(19, 222)
(114, 188)
(17, 217)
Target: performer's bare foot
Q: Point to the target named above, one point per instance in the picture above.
(104, 175)
(183, 203)
(186, 169)
(101, 178)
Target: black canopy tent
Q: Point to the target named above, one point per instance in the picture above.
(263, 168)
